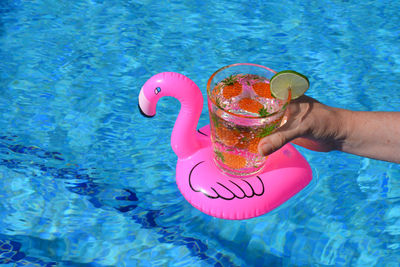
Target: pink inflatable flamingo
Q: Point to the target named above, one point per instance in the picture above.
(199, 180)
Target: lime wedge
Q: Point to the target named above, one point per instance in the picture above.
(287, 80)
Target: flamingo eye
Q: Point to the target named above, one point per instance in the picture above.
(157, 90)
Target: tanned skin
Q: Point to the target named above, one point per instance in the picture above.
(319, 127)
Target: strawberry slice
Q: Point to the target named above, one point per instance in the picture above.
(262, 89)
(232, 90)
(231, 87)
(234, 161)
(250, 105)
(253, 145)
(227, 136)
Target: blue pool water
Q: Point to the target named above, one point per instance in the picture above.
(86, 181)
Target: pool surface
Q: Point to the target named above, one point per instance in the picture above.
(85, 180)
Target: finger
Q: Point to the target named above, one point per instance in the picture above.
(276, 140)
(312, 145)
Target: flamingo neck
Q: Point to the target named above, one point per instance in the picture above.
(184, 140)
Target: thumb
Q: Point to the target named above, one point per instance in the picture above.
(276, 140)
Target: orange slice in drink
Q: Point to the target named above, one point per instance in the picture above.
(250, 105)
(262, 89)
(234, 161)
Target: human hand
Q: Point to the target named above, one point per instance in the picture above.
(307, 123)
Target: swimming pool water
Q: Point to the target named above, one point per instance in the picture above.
(86, 181)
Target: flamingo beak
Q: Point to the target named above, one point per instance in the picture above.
(146, 108)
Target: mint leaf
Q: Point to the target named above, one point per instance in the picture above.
(268, 130)
(263, 112)
(219, 155)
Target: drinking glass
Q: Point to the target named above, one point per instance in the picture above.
(242, 111)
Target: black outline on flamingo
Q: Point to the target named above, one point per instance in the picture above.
(218, 195)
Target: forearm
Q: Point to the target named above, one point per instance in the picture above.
(370, 134)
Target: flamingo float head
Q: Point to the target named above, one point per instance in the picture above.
(183, 139)
(150, 93)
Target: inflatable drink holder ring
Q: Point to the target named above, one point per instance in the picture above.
(200, 181)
